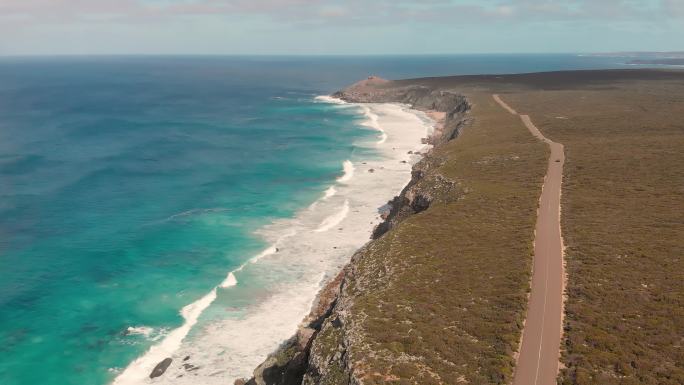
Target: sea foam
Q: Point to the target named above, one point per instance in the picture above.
(335, 219)
(139, 369)
(145, 331)
(372, 121)
(283, 279)
(348, 168)
(230, 281)
(329, 192)
(329, 100)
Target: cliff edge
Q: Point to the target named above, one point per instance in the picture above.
(318, 353)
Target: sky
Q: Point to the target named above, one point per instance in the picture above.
(93, 27)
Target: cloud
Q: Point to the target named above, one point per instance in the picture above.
(674, 8)
(293, 12)
(337, 26)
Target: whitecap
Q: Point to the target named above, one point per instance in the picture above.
(329, 192)
(142, 366)
(383, 138)
(230, 281)
(329, 99)
(372, 121)
(348, 167)
(335, 219)
(237, 343)
(145, 331)
(269, 251)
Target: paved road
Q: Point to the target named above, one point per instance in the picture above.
(539, 354)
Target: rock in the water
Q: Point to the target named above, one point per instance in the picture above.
(161, 367)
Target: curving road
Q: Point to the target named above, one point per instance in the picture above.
(537, 363)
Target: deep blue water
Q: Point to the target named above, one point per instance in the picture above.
(129, 186)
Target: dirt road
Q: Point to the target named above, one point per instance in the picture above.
(540, 350)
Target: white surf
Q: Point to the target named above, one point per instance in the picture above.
(260, 304)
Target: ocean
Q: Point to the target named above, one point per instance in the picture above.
(190, 206)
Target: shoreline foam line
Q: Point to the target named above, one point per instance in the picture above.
(231, 280)
(143, 365)
(230, 347)
(329, 100)
(372, 122)
(348, 172)
(335, 219)
(329, 192)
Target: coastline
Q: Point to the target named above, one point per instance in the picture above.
(383, 317)
(401, 140)
(438, 297)
(298, 360)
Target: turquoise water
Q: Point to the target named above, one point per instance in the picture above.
(130, 186)
(128, 193)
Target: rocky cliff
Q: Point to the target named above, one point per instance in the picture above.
(321, 352)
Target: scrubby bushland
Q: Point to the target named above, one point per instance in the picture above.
(623, 223)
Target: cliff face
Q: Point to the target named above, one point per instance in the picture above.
(321, 352)
(375, 90)
(424, 186)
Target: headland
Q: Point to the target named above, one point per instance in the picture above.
(440, 295)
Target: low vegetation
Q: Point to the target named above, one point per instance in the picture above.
(441, 298)
(623, 223)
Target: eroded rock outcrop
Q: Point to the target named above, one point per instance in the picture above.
(424, 187)
(287, 365)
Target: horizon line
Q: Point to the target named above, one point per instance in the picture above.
(330, 54)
